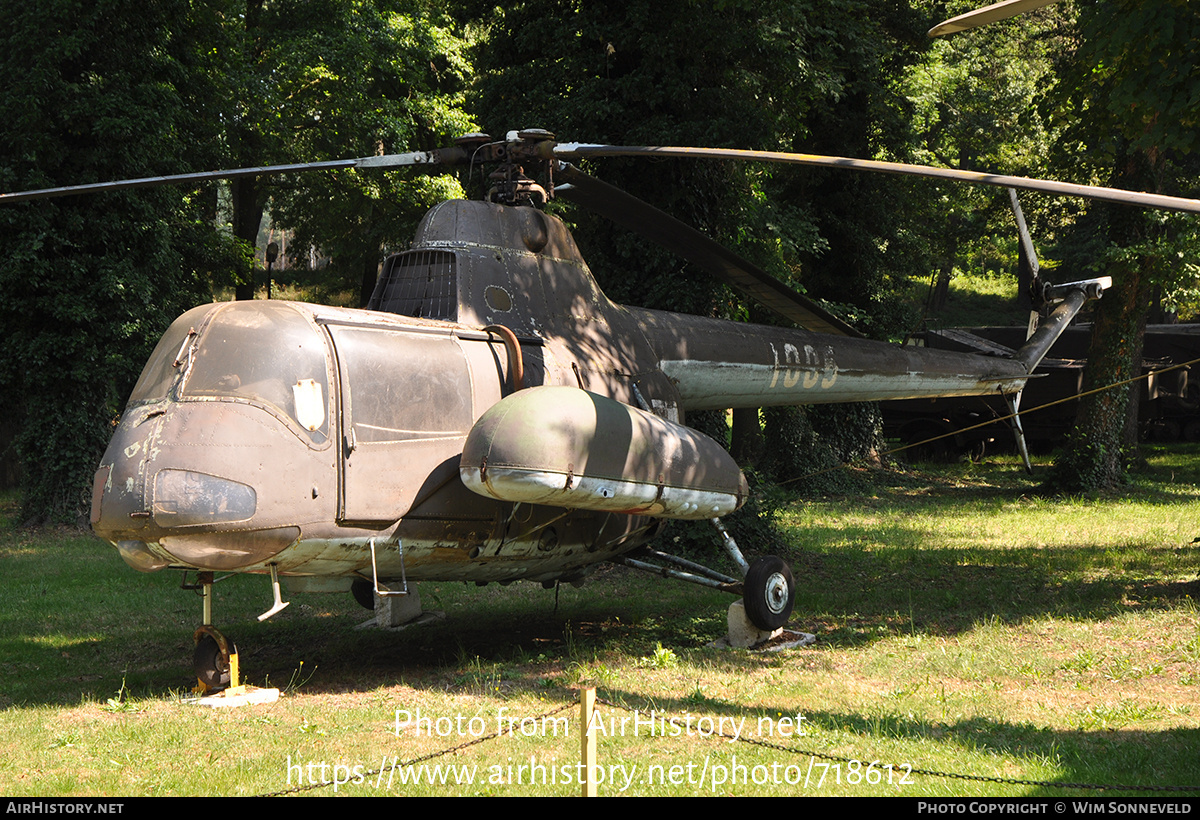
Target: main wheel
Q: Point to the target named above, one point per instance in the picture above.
(769, 593)
(364, 593)
(211, 659)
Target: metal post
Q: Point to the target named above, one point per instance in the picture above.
(587, 743)
(272, 254)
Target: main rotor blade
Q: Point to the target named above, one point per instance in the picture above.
(987, 14)
(442, 156)
(1170, 203)
(1023, 233)
(627, 210)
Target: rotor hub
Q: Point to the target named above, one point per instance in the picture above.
(508, 183)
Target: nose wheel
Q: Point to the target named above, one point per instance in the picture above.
(769, 593)
(215, 661)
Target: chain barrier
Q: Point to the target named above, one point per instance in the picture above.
(812, 754)
(932, 772)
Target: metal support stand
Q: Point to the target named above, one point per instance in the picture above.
(1014, 403)
(706, 577)
(206, 585)
(695, 573)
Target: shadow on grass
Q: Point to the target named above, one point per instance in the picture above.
(90, 625)
(76, 623)
(947, 591)
(517, 641)
(1104, 757)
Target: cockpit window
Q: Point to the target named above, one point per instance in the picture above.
(266, 353)
(168, 360)
(403, 386)
(418, 283)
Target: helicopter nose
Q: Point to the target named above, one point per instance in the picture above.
(163, 499)
(118, 488)
(119, 513)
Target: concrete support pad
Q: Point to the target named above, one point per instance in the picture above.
(742, 633)
(421, 620)
(745, 635)
(395, 610)
(400, 612)
(250, 695)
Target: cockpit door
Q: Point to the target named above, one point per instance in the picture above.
(405, 412)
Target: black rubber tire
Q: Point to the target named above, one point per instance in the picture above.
(364, 593)
(769, 592)
(211, 664)
(977, 451)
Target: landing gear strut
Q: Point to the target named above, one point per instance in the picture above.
(215, 659)
(768, 588)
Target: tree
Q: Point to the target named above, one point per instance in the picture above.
(780, 76)
(89, 283)
(795, 75)
(1131, 89)
(976, 107)
(120, 91)
(331, 79)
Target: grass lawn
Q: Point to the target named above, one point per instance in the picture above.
(965, 626)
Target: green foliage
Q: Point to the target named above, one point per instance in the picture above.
(1134, 70)
(975, 101)
(1086, 465)
(807, 447)
(90, 283)
(1127, 97)
(358, 79)
(854, 431)
(782, 75)
(310, 81)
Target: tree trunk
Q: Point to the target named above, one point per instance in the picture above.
(247, 219)
(1105, 434)
(1098, 448)
(940, 291)
(369, 272)
(746, 436)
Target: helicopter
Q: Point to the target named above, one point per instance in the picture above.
(492, 416)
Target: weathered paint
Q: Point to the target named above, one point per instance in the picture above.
(566, 447)
(338, 452)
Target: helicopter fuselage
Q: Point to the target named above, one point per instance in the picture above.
(328, 442)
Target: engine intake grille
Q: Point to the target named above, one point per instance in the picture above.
(418, 283)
